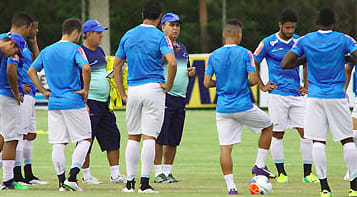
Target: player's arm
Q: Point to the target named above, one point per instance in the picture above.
(12, 78)
(290, 61)
(209, 82)
(86, 75)
(264, 87)
(348, 70)
(171, 73)
(32, 73)
(118, 76)
(303, 89)
(253, 78)
(34, 47)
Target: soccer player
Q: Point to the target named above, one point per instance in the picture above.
(11, 98)
(326, 104)
(103, 121)
(286, 101)
(143, 47)
(234, 106)
(68, 118)
(172, 128)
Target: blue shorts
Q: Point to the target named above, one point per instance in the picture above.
(104, 126)
(172, 128)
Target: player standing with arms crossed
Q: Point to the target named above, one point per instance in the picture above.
(286, 101)
(234, 106)
(326, 104)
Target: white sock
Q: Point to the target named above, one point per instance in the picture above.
(8, 171)
(131, 158)
(80, 153)
(167, 169)
(0, 159)
(114, 171)
(27, 154)
(355, 137)
(58, 158)
(261, 156)
(306, 150)
(229, 181)
(19, 152)
(350, 156)
(147, 157)
(86, 173)
(277, 150)
(158, 170)
(319, 157)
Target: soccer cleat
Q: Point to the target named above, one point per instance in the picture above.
(14, 185)
(72, 185)
(161, 178)
(146, 189)
(326, 193)
(129, 187)
(263, 171)
(35, 181)
(347, 176)
(22, 181)
(282, 178)
(311, 179)
(171, 179)
(119, 179)
(233, 191)
(91, 180)
(352, 193)
(63, 189)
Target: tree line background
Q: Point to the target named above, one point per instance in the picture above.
(259, 18)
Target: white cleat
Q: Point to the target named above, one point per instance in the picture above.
(148, 190)
(38, 182)
(63, 189)
(72, 186)
(119, 179)
(91, 180)
(347, 176)
(126, 190)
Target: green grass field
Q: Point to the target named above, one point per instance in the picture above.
(197, 163)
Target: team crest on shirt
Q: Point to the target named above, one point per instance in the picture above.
(273, 42)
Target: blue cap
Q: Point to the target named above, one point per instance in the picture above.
(19, 40)
(170, 17)
(92, 25)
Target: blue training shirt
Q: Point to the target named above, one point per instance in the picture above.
(61, 62)
(325, 53)
(143, 47)
(273, 49)
(231, 65)
(354, 85)
(27, 61)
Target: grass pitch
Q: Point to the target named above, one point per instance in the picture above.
(196, 163)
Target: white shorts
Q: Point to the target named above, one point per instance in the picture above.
(10, 119)
(286, 112)
(354, 111)
(229, 126)
(145, 109)
(322, 114)
(65, 125)
(29, 115)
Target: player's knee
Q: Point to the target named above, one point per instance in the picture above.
(30, 136)
(278, 135)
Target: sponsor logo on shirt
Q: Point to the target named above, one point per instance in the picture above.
(278, 49)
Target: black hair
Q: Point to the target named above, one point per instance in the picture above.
(235, 22)
(6, 39)
(71, 24)
(152, 9)
(288, 15)
(21, 19)
(326, 17)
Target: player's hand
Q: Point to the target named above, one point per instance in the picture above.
(163, 86)
(46, 94)
(124, 98)
(26, 88)
(303, 90)
(268, 87)
(191, 71)
(18, 97)
(83, 93)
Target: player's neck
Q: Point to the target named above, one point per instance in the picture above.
(154, 23)
(89, 46)
(67, 38)
(324, 28)
(232, 41)
(281, 36)
(18, 30)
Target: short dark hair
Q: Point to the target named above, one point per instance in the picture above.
(326, 17)
(71, 24)
(152, 9)
(232, 27)
(236, 22)
(21, 19)
(288, 15)
(6, 39)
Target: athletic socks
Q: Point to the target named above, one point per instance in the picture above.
(19, 153)
(307, 169)
(28, 172)
(350, 156)
(147, 157)
(158, 170)
(8, 171)
(131, 158)
(73, 174)
(324, 184)
(167, 169)
(306, 152)
(27, 151)
(353, 184)
(277, 150)
(261, 156)
(61, 179)
(80, 153)
(280, 168)
(114, 171)
(229, 181)
(319, 157)
(58, 158)
(86, 173)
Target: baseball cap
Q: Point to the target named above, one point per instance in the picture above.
(93, 25)
(19, 40)
(170, 17)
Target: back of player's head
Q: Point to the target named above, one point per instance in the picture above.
(71, 24)
(152, 9)
(288, 15)
(20, 19)
(232, 27)
(326, 17)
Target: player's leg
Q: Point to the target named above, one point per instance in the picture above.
(17, 169)
(159, 174)
(1, 147)
(354, 122)
(229, 133)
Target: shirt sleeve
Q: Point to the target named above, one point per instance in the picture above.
(121, 52)
(38, 63)
(260, 51)
(209, 66)
(351, 44)
(298, 47)
(166, 45)
(81, 57)
(250, 62)
(14, 60)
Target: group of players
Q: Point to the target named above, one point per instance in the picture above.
(158, 75)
